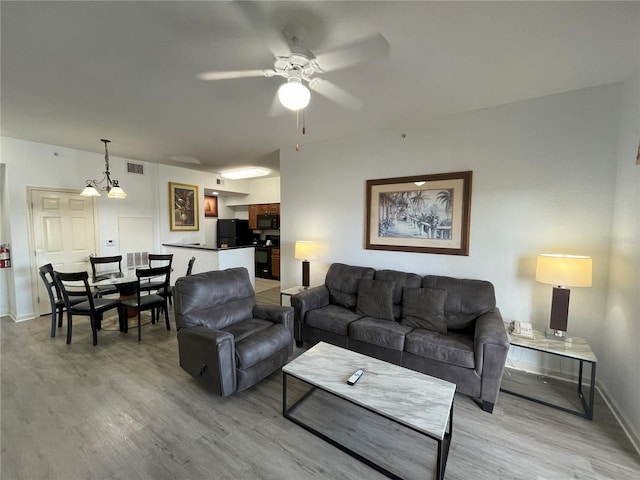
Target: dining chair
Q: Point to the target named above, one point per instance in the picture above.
(55, 296)
(93, 308)
(156, 260)
(99, 273)
(169, 291)
(153, 302)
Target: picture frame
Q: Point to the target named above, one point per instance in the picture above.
(210, 206)
(422, 213)
(183, 207)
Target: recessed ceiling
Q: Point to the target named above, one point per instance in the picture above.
(75, 72)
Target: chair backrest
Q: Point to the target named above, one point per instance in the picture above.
(70, 284)
(190, 265)
(162, 258)
(147, 273)
(102, 261)
(214, 299)
(46, 274)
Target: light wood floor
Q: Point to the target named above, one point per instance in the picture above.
(125, 410)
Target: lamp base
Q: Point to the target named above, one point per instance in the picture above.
(305, 274)
(558, 335)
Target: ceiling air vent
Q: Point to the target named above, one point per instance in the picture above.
(135, 168)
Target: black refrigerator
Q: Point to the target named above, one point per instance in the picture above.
(234, 232)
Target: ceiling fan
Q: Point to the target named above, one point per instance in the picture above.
(300, 65)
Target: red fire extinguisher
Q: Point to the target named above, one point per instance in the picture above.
(5, 256)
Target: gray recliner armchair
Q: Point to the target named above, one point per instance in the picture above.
(225, 340)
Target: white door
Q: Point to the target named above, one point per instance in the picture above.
(63, 233)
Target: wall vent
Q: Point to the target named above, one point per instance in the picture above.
(219, 181)
(137, 259)
(135, 168)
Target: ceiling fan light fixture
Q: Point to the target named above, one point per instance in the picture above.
(294, 95)
(251, 172)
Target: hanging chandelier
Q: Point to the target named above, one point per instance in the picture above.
(111, 186)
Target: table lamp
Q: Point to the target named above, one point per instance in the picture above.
(562, 271)
(305, 251)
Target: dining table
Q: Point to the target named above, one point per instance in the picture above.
(125, 282)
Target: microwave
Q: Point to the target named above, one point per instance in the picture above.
(268, 222)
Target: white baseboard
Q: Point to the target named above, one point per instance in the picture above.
(634, 437)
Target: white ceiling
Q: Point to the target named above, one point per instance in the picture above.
(75, 72)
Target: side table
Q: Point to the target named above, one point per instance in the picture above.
(578, 350)
(290, 291)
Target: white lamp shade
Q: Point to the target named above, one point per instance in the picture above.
(564, 270)
(305, 250)
(116, 192)
(90, 191)
(294, 95)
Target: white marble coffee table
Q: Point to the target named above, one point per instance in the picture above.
(422, 403)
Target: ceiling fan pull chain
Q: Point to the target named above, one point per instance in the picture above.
(304, 128)
(297, 131)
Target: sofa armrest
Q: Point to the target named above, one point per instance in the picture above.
(209, 355)
(275, 314)
(490, 331)
(491, 349)
(306, 301)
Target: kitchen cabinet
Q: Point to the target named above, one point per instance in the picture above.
(253, 217)
(261, 209)
(275, 263)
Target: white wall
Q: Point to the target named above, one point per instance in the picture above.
(31, 164)
(544, 177)
(261, 190)
(620, 357)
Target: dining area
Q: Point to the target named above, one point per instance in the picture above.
(142, 294)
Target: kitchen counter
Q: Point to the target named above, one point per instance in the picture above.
(210, 258)
(200, 246)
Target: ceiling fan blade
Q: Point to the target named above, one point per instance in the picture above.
(335, 93)
(256, 16)
(361, 50)
(236, 74)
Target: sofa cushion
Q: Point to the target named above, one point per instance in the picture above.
(399, 280)
(424, 308)
(243, 329)
(466, 299)
(331, 318)
(342, 282)
(375, 299)
(384, 333)
(262, 344)
(455, 348)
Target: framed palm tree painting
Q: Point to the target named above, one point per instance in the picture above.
(422, 213)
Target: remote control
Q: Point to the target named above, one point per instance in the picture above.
(355, 377)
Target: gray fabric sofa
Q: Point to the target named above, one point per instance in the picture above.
(225, 340)
(444, 327)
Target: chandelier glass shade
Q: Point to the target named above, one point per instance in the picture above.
(293, 94)
(112, 187)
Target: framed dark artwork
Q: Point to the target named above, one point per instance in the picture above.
(183, 207)
(210, 206)
(424, 213)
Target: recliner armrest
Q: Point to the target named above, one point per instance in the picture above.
(490, 331)
(305, 301)
(209, 355)
(275, 314)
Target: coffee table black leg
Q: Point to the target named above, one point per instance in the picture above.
(443, 448)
